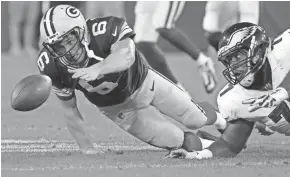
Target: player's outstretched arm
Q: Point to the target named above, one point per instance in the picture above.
(74, 123)
(121, 58)
(233, 140)
(229, 144)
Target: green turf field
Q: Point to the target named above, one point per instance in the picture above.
(37, 144)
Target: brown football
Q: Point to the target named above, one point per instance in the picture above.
(31, 92)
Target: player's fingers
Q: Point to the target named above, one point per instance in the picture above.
(267, 103)
(78, 74)
(254, 107)
(84, 76)
(89, 78)
(249, 101)
(72, 70)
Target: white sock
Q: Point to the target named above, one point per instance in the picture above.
(205, 143)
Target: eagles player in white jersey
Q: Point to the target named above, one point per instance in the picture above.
(255, 66)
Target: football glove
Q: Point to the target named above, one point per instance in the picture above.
(263, 129)
(269, 100)
(183, 154)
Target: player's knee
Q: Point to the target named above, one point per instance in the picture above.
(195, 117)
(213, 38)
(195, 121)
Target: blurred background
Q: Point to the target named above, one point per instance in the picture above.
(274, 17)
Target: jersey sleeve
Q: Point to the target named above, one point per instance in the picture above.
(119, 30)
(47, 67)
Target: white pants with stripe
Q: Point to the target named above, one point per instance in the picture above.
(151, 15)
(144, 114)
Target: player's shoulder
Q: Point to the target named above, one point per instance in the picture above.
(281, 47)
(282, 41)
(46, 63)
(106, 22)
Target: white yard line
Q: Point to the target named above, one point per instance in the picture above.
(10, 145)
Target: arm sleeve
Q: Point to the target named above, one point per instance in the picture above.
(233, 140)
(119, 30)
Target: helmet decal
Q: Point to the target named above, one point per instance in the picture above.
(72, 12)
(239, 36)
(48, 24)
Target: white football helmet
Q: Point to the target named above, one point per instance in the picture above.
(56, 24)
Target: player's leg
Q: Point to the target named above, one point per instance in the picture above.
(179, 39)
(16, 11)
(147, 36)
(144, 121)
(175, 103)
(174, 35)
(32, 11)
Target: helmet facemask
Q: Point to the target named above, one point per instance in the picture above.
(68, 48)
(243, 62)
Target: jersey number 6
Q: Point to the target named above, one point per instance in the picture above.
(102, 89)
(99, 28)
(43, 58)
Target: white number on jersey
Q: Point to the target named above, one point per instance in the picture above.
(43, 58)
(102, 89)
(99, 28)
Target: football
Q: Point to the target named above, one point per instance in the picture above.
(31, 92)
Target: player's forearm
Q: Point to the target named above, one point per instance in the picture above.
(117, 62)
(74, 123)
(220, 148)
(121, 58)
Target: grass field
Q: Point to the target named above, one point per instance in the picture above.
(36, 143)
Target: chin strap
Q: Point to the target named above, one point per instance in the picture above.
(90, 53)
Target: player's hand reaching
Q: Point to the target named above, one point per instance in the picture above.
(207, 71)
(269, 100)
(183, 154)
(88, 74)
(263, 129)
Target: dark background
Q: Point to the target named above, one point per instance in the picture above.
(274, 17)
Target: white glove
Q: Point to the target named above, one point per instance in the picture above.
(183, 154)
(269, 100)
(207, 72)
